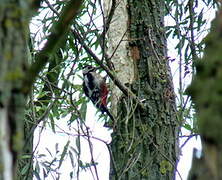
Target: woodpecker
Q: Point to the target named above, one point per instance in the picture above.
(94, 87)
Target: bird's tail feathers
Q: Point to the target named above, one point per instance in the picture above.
(104, 109)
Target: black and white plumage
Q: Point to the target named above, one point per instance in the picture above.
(94, 87)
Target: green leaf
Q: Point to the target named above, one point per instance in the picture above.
(83, 110)
(64, 152)
(72, 119)
(26, 156)
(74, 150)
(78, 145)
(25, 169)
(37, 168)
(200, 20)
(52, 122)
(48, 151)
(36, 171)
(188, 127)
(71, 159)
(57, 148)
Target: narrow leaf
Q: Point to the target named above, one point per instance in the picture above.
(64, 152)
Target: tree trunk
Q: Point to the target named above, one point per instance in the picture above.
(206, 92)
(13, 60)
(16, 78)
(145, 140)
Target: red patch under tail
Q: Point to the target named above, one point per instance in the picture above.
(104, 95)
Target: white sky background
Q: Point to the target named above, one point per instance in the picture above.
(48, 139)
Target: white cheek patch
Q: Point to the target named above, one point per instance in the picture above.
(86, 81)
(90, 91)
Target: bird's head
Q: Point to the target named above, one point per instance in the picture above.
(86, 69)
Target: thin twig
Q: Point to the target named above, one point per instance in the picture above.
(188, 138)
(51, 7)
(118, 44)
(107, 21)
(57, 32)
(116, 81)
(191, 27)
(121, 86)
(91, 153)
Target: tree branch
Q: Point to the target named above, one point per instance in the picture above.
(58, 32)
(35, 5)
(110, 16)
(116, 81)
(112, 76)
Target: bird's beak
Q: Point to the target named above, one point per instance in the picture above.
(96, 68)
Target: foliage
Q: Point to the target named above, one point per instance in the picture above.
(57, 99)
(188, 24)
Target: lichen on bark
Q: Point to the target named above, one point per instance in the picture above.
(145, 141)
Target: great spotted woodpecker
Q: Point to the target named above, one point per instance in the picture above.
(94, 87)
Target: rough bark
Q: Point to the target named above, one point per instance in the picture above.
(206, 92)
(13, 60)
(145, 141)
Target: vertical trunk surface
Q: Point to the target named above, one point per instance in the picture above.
(145, 141)
(13, 59)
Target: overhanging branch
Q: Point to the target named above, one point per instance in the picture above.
(112, 76)
(58, 31)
